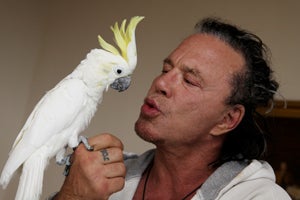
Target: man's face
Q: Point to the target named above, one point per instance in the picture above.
(187, 101)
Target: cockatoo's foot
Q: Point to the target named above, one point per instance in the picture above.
(64, 161)
(68, 164)
(84, 141)
(61, 156)
(61, 162)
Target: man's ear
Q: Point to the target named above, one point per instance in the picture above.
(232, 117)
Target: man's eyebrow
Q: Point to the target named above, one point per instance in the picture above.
(185, 69)
(192, 71)
(168, 61)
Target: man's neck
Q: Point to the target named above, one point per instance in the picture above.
(179, 171)
(183, 165)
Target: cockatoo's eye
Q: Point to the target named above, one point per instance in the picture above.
(118, 70)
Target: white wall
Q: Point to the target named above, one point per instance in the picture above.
(42, 41)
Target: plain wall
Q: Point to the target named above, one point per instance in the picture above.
(43, 41)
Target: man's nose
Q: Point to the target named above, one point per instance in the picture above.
(165, 83)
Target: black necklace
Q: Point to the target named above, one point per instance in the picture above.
(146, 182)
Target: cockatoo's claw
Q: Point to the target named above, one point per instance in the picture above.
(84, 141)
(68, 165)
(67, 170)
(61, 162)
(64, 161)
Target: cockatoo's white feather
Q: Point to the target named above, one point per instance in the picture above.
(61, 115)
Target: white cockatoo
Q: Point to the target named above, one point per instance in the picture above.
(66, 110)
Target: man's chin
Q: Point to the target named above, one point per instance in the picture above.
(143, 131)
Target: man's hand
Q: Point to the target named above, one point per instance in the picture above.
(95, 174)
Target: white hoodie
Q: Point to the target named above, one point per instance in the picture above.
(232, 181)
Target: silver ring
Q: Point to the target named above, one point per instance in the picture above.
(104, 153)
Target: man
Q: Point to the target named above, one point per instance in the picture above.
(200, 114)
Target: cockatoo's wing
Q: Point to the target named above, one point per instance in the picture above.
(54, 113)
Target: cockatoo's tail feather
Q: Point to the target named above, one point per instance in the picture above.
(123, 36)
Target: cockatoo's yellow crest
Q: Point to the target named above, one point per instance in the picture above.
(122, 37)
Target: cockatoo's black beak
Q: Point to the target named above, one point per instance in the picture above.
(121, 84)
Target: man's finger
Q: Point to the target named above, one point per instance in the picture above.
(116, 184)
(111, 155)
(115, 170)
(103, 141)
